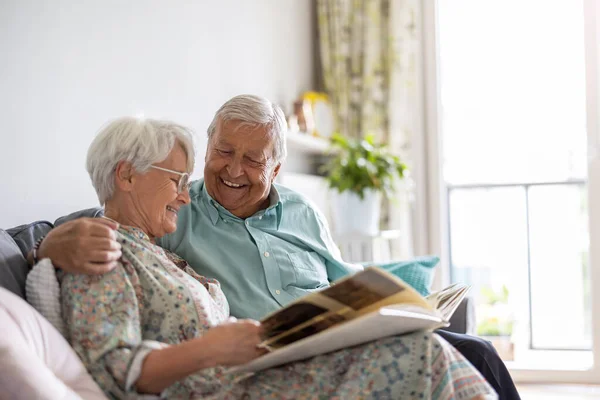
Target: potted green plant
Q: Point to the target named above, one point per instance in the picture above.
(360, 172)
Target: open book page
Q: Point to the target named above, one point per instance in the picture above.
(447, 300)
(387, 321)
(347, 299)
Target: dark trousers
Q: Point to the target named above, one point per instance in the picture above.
(484, 357)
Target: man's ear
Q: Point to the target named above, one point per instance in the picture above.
(275, 172)
(124, 176)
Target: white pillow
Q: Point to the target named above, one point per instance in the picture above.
(36, 362)
(43, 293)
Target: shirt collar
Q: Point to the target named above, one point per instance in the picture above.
(275, 202)
(214, 208)
(211, 206)
(135, 232)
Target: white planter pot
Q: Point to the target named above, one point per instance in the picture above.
(351, 215)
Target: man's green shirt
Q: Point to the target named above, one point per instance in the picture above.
(265, 261)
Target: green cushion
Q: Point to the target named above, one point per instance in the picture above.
(417, 272)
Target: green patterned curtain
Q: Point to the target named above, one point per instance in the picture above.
(371, 63)
(356, 56)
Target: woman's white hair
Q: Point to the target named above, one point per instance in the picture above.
(139, 141)
(254, 111)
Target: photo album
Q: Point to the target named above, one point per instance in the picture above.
(366, 306)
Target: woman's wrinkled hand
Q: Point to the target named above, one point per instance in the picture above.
(235, 342)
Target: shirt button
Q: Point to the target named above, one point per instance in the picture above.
(260, 217)
(267, 254)
(278, 291)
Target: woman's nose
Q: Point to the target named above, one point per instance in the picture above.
(184, 196)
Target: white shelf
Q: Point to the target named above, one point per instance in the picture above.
(304, 143)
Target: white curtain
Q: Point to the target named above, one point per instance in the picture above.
(406, 116)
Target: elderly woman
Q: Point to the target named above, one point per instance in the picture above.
(154, 326)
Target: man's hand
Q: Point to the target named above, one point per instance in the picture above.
(83, 246)
(234, 342)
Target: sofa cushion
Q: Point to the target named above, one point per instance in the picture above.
(89, 212)
(25, 236)
(13, 266)
(36, 362)
(417, 272)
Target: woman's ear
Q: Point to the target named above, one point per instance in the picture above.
(124, 176)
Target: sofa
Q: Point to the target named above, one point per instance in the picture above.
(17, 242)
(35, 360)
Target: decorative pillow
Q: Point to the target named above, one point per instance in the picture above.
(13, 266)
(36, 362)
(43, 293)
(417, 272)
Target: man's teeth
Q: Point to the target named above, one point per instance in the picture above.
(172, 209)
(231, 184)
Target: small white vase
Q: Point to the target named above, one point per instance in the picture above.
(355, 216)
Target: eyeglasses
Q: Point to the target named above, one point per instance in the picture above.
(184, 179)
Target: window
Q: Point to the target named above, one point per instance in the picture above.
(512, 86)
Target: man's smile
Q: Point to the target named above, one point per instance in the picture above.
(231, 184)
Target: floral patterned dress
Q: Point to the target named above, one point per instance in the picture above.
(154, 299)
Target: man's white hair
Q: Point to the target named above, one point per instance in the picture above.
(140, 141)
(254, 111)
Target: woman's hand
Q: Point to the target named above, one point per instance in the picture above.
(235, 342)
(231, 343)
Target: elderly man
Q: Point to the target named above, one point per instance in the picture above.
(265, 243)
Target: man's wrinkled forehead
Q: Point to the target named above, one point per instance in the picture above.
(243, 127)
(260, 137)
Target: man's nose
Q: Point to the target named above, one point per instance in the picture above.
(234, 168)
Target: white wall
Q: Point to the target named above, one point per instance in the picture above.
(66, 67)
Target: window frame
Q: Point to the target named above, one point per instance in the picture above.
(431, 210)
